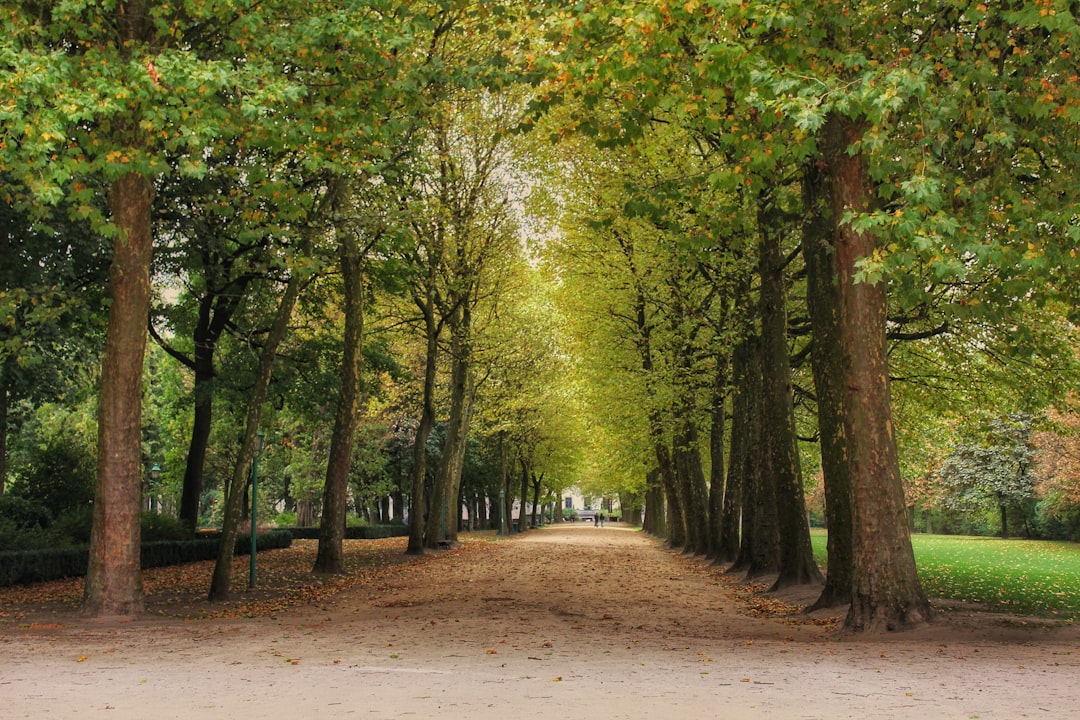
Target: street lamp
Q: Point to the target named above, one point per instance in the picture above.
(254, 501)
(155, 476)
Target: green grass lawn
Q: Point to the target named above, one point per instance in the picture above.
(1021, 576)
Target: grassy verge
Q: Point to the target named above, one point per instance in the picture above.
(1020, 576)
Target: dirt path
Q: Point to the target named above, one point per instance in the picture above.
(568, 621)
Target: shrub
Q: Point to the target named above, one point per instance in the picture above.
(23, 513)
(155, 526)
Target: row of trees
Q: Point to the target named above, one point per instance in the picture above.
(283, 179)
(807, 202)
(767, 214)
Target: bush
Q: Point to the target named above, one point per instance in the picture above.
(285, 519)
(75, 524)
(54, 564)
(366, 532)
(155, 526)
(24, 513)
(60, 475)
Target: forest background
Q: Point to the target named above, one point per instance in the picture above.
(745, 266)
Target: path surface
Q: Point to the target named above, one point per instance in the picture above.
(564, 622)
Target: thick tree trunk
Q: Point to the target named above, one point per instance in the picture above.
(114, 578)
(692, 488)
(759, 552)
(886, 592)
(655, 518)
(221, 583)
(827, 363)
(443, 521)
(331, 556)
(780, 465)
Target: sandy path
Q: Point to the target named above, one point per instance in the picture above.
(568, 621)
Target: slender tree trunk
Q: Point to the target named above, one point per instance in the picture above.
(418, 476)
(215, 312)
(331, 556)
(114, 578)
(535, 482)
(522, 514)
(200, 437)
(5, 399)
(780, 456)
(827, 363)
(741, 428)
(886, 592)
(717, 475)
(221, 582)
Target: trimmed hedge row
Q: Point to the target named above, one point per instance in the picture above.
(365, 532)
(29, 566)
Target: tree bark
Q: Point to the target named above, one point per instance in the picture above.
(216, 309)
(886, 592)
(221, 582)
(827, 364)
(717, 466)
(780, 466)
(330, 557)
(5, 399)
(418, 475)
(655, 518)
(443, 520)
(759, 552)
(114, 578)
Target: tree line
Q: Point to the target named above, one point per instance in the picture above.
(743, 224)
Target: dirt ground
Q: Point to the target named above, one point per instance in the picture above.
(565, 621)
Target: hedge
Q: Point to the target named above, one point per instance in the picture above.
(362, 532)
(29, 566)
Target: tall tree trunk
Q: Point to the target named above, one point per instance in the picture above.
(827, 364)
(655, 518)
(5, 399)
(691, 476)
(780, 465)
(522, 514)
(114, 578)
(201, 426)
(759, 554)
(221, 582)
(717, 475)
(216, 310)
(443, 520)
(886, 592)
(734, 519)
(418, 475)
(331, 556)
(535, 482)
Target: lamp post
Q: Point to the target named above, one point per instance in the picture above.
(155, 476)
(254, 502)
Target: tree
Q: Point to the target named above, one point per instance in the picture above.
(997, 469)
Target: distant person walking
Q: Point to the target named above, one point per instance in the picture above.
(596, 520)
(601, 516)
